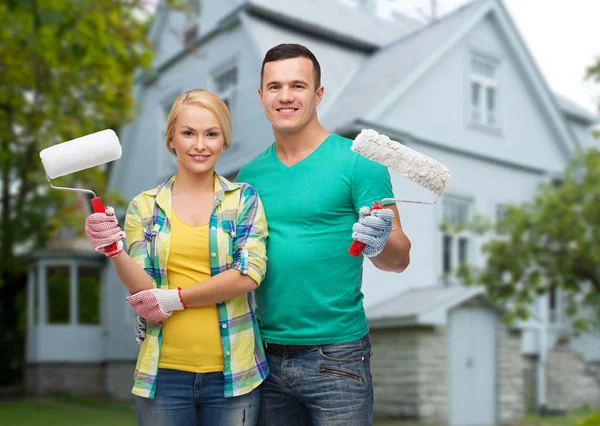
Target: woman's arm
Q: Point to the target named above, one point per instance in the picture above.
(134, 268)
(133, 277)
(221, 287)
(246, 273)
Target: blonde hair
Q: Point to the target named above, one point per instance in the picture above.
(205, 99)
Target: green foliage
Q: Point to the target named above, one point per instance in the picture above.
(592, 420)
(66, 70)
(550, 242)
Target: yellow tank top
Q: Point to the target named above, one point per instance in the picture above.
(191, 340)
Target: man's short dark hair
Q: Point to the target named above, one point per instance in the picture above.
(291, 51)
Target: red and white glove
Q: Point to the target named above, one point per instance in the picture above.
(102, 230)
(156, 305)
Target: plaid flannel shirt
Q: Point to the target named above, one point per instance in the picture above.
(237, 239)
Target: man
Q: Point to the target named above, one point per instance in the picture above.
(310, 311)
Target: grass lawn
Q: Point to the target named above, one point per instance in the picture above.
(66, 412)
(70, 411)
(567, 420)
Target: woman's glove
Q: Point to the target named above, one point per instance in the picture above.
(156, 305)
(102, 230)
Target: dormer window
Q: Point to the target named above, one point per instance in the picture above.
(483, 81)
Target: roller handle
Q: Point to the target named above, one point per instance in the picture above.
(98, 207)
(357, 247)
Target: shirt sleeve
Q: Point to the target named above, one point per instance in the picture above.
(135, 239)
(370, 182)
(250, 243)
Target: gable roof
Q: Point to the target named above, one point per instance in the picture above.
(335, 21)
(397, 65)
(395, 68)
(420, 306)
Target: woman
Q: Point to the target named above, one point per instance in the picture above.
(196, 247)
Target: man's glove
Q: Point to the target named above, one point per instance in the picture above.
(156, 305)
(373, 228)
(140, 330)
(102, 230)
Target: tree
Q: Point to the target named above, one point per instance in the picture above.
(551, 242)
(66, 70)
(548, 243)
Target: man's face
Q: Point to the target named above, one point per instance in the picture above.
(288, 94)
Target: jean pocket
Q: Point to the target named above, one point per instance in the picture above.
(339, 372)
(343, 352)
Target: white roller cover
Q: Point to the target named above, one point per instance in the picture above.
(417, 167)
(81, 153)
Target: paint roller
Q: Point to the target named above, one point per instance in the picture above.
(79, 154)
(412, 165)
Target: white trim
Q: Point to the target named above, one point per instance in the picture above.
(31, 308)
(42, 295)
(73, 294)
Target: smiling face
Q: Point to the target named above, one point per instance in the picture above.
(197, 140)
(288, 94)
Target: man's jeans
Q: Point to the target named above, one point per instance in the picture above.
(327, 385)
(191, 399)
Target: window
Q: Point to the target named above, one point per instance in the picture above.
(501, 210)
(456, 247)
(73, 294)
(554, 306)
(225, 83)
(484, 91)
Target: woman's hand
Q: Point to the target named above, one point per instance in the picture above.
(102, 230)
(156, 305)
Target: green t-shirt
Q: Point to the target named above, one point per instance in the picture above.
(311, 294)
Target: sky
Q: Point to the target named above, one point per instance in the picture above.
(563, 36)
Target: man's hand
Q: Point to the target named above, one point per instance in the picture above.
(156, 305)
(102, 230)
(373, 228)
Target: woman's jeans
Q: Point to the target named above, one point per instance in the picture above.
(193, 399)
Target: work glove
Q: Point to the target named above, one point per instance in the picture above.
(156, 305)
(102, 230)
(373, 228)
(140, 330)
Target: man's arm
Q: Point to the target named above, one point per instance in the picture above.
(395, 256)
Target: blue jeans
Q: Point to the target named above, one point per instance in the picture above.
(192, 399)
(328, 385)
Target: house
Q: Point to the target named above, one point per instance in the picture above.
(463, 89)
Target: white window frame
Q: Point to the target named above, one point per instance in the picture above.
(456, 239)
(226, 93)
(480, 115)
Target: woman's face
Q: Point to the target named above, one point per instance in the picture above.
(197, 140)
